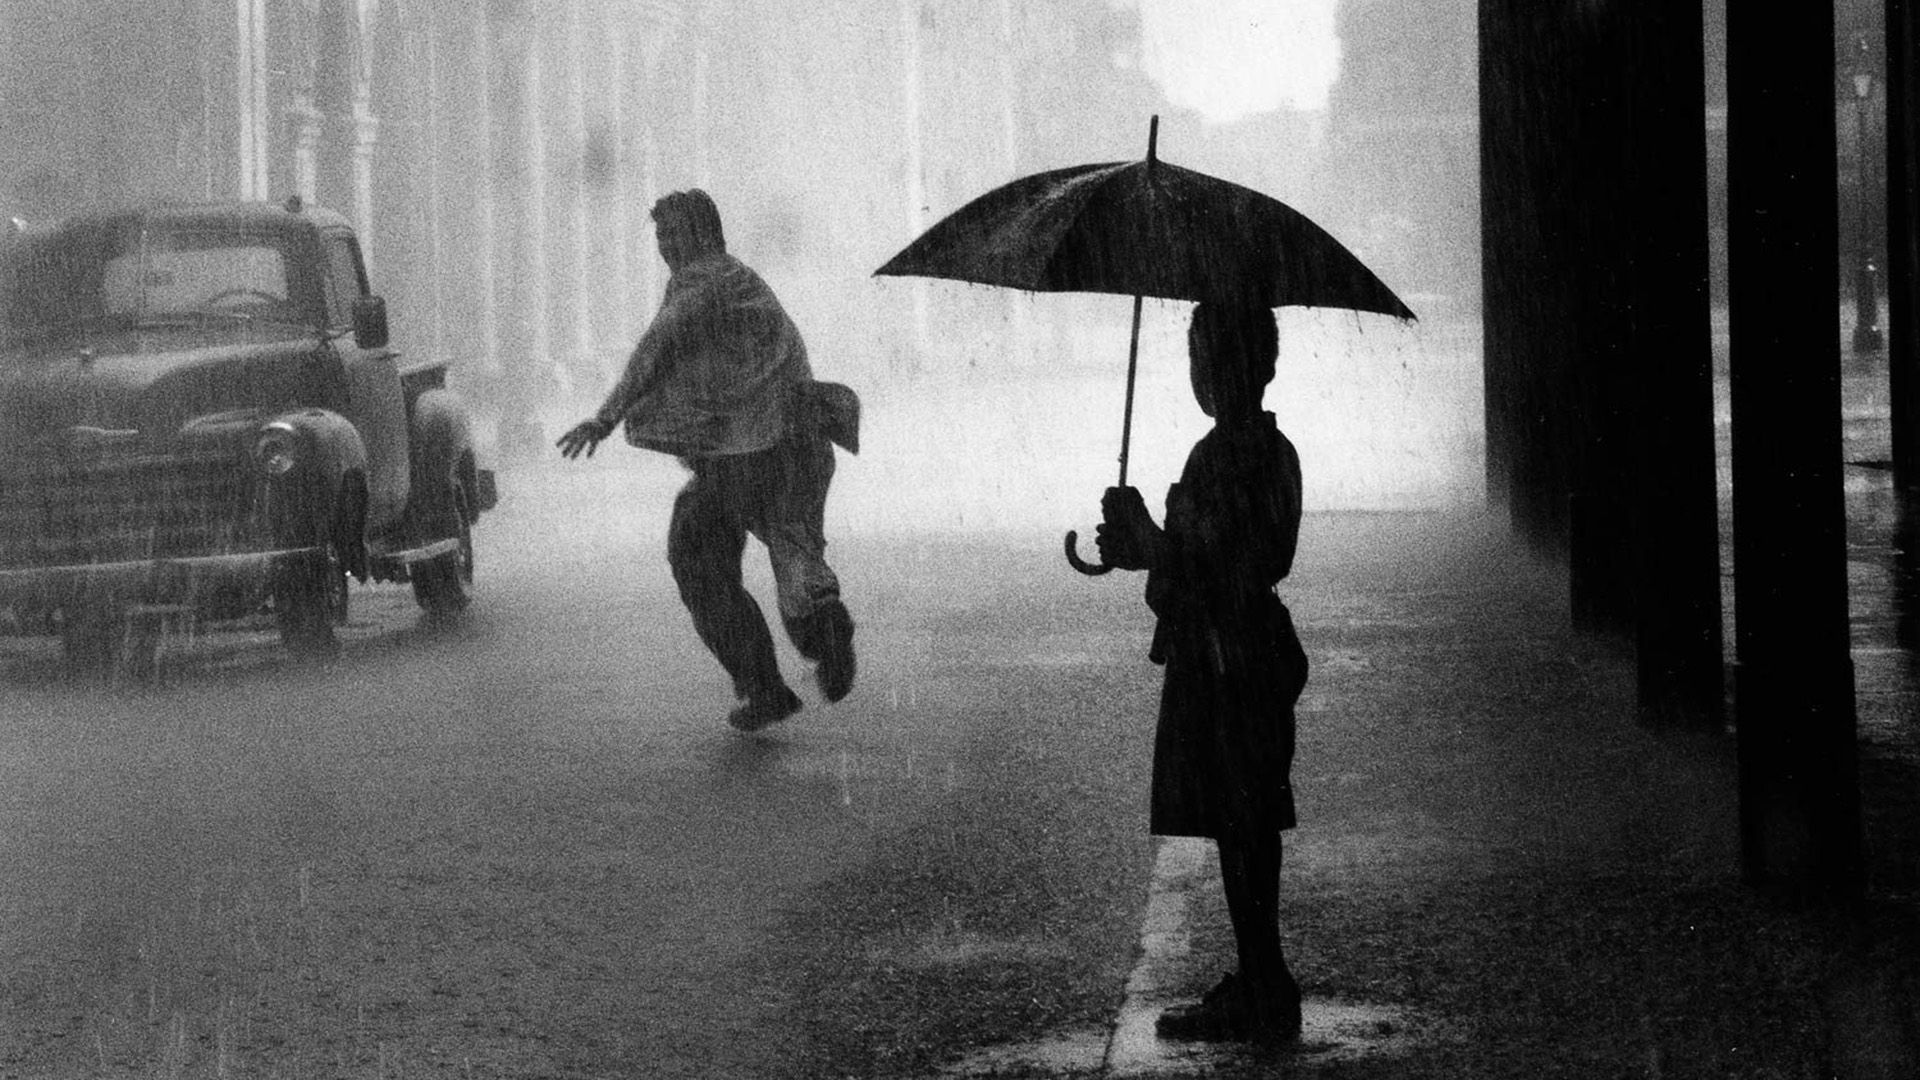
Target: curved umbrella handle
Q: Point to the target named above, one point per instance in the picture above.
(1080, 564)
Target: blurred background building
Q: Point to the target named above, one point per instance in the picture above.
(500, 155)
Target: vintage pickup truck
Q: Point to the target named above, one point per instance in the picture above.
(201, 419)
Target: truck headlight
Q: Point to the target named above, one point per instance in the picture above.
(276, 451)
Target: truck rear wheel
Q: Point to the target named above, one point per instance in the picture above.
(442, 585)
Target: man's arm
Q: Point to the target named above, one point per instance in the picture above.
(642, 363)
(586, 436)
(583, 437)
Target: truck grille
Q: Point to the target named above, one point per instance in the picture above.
(126, 510)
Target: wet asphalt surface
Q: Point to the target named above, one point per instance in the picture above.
(526, 844)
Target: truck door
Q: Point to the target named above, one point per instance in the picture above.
(376, 404)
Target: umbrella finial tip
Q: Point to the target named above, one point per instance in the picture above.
(1153, 137)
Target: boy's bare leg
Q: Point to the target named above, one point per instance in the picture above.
(1250, 874)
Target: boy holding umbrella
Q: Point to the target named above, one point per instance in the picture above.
(1234, 666)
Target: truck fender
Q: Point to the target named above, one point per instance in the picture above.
(325, 490)
(442, 442)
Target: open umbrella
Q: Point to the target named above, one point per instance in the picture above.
(1139, 229)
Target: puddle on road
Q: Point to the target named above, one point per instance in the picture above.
(1348, 1031)
(1066, 1054)
(953, 947)
(1330, 1031)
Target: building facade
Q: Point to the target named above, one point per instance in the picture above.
(500, 156)
(497, 157)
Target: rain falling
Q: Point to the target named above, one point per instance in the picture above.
(531, 539)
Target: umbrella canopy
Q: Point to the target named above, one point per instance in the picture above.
(1139, 229)
(1145, 228)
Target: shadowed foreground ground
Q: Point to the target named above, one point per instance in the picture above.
(1491, 847)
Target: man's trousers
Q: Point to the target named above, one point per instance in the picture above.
(780, 496)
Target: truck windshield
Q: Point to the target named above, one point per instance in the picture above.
(129, 276)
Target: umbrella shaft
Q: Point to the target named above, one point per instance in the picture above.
(1133, 366)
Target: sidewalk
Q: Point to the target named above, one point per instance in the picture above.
(1498, 873)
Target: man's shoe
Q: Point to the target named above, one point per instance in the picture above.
(835, 670)
(764, 710)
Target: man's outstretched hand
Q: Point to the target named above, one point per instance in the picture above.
(583, 437)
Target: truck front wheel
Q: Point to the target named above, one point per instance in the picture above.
(310, 599)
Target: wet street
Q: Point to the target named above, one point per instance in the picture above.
(528, 845)
(275, 274)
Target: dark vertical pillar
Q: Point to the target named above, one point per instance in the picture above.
(1597, 320)
(1903, 304)
(1500, 217)
(1903, 249)
(1524, 143)
(1599, 228)
(1667, 362)
(1799, 790)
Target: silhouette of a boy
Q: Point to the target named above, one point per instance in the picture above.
(1234, 666)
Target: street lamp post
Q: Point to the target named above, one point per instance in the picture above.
(1866, 327)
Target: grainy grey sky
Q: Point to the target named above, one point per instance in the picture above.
(1228, 59)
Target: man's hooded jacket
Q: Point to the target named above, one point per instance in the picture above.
(722, 370)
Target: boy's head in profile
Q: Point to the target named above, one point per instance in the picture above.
(1231, 349)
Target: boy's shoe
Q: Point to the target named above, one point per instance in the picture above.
(1275, 1019)
(765, 709)
(835, 670)
(1233, 1012)
(1206, 1020)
